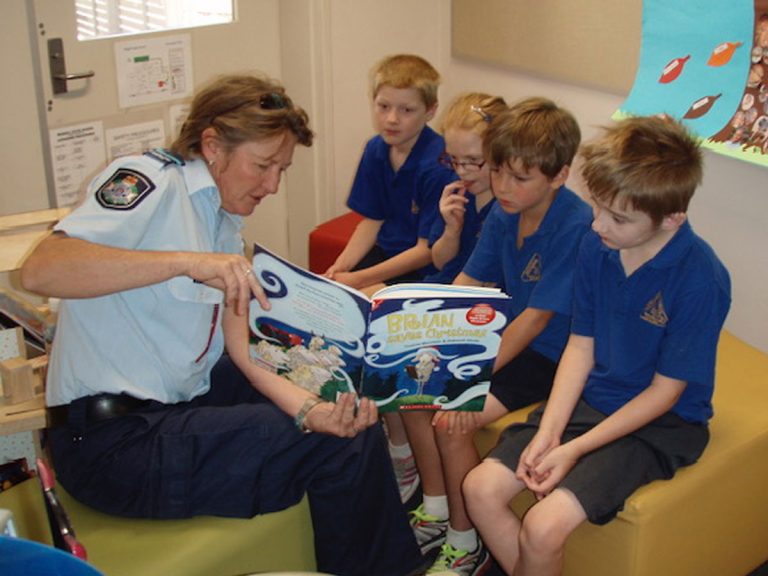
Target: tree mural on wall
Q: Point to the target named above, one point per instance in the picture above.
(748, 127)
(706, 63)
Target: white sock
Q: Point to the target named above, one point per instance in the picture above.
(462, 539)
(402, 451)
(436, 506)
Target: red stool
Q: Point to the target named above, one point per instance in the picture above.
(328, 240)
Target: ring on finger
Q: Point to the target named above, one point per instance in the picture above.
(247, 271)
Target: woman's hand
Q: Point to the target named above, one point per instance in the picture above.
(346, 418)
(233, 275)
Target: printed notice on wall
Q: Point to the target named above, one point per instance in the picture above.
(77, 153)
(135, 139)
(178, 114)
(153, 70)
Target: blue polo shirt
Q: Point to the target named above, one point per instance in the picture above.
(113, 343)
(540, 273)
(665, 317)
(473, 224)
(406, 200)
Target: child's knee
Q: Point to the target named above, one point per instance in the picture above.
(547, 525)
(487, 483)
(541, 535)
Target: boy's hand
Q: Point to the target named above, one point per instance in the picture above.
(334, 269)
(551, 470)
(452, 205)
(460, 422)
(537, 449)
(351, 279)
(345, 418)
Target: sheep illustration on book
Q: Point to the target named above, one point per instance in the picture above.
(425, 362)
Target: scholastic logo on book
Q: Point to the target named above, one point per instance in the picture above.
(481, 314)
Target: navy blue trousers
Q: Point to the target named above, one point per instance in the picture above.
(233, 453)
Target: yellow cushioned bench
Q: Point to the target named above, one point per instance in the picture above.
(711, 519)
(202, 546)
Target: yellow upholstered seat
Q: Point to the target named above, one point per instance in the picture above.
(712, 517)
(201, 546)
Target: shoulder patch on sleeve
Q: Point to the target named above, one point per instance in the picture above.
(164, 156)
(124, 190)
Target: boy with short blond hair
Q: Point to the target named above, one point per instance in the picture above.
(529, 239)
(397, 191)
(399, 180)
(633, 392)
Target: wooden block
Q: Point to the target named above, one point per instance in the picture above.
(18, 380)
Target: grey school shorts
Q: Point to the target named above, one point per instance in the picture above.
(603, 479)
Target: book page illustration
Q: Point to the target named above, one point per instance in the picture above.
(313, 334)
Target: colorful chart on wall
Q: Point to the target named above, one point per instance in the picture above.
(706, 64)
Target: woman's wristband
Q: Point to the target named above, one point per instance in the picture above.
(301, 415)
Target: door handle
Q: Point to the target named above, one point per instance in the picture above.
(58, 67)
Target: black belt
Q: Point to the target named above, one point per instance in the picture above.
(96, 408)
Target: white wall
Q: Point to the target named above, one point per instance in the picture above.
(362, 33)
(729, 210)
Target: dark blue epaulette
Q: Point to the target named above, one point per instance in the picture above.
(165, 157)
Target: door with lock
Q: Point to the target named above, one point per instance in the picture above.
(92, 108)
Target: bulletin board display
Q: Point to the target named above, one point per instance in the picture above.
(595, 43)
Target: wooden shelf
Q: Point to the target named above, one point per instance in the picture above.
(22, 417)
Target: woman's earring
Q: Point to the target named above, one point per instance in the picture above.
(211, 162)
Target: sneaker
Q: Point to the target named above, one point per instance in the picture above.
(454, 561)
(407, 476)
(429, 530)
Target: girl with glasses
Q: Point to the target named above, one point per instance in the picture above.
(465, 202)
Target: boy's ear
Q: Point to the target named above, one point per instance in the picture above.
(431, 111)
(561, 177)
(674, 221)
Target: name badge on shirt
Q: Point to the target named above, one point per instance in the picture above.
(124, 190)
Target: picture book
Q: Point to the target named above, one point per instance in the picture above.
(409, 347)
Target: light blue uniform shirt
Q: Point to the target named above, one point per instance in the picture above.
(159, 341)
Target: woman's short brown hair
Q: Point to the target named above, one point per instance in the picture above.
(241, 108)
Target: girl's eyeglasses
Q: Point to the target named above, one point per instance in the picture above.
(450, 162)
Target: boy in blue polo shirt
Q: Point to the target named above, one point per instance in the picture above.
(632, 394)
(530, 239)
(398, 182)
(397, 191)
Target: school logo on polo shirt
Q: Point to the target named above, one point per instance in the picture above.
(654, 312)
(124, 190)
(532, 272)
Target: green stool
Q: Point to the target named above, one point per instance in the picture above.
(201, 546)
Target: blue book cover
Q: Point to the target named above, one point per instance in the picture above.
(432, 347)
(411, 346)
